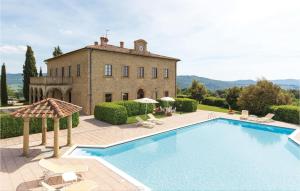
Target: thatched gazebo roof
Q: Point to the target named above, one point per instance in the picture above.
(47, 108)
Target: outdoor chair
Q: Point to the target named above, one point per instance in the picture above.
(51, 168)
(143, 123)
(174, 110)
(153, 119)
(265, 119)
(85, 185)
(245, 114)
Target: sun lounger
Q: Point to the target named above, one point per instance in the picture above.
(48, 187)
(265, 119)
(52, 168)
(153, 119)
(85, 185)
(245, 114)
(144, 123)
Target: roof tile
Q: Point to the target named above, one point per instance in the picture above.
(49, 107)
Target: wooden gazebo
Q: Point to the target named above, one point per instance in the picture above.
(47, 108)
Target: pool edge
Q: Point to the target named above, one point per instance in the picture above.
(113, 168)
(129, 178)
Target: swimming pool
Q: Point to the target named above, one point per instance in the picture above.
(220, 154)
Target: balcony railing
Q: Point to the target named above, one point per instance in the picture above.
(51, 80)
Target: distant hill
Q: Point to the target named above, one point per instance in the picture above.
(184, 81)
(14, 80)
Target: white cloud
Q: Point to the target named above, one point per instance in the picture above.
(12, 49)
(220, 39)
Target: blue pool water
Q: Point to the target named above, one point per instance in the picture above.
(220, 154)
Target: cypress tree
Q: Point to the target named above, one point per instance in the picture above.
(57, 51)
(41, 72)
(54, 52)
(29, 70)
(4, 96)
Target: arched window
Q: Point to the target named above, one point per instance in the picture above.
(140, 94)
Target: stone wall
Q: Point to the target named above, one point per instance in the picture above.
(116, 84)
(83, 96)
(79, 83)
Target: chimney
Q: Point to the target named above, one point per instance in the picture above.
(95, 43)
(103, 41)
(121, 44)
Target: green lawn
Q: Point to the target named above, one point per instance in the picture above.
(212, 108)
(132, 119)
(296, 102)
(3, 113)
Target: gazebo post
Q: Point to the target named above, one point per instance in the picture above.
(26, 136)
(56, 138)
(69, 139)
(44, 131)
(48, 108)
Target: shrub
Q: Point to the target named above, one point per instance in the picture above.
(183, 96)
(134, 108)
(13, 127)
(164, 104)
(220, 93)
(185, 104)
(150, 108)
(215, 101)
(111, 113)
(259, 97)
(286, 113)
(197, 90)
(232, 96)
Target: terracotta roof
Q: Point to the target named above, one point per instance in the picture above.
(112, 48)
(47, 108)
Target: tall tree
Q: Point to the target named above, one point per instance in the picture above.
(197, 90)
(232, 96)
(29, 70)
(41, 72)
(4, 96)
(257, 98)
(57, 51)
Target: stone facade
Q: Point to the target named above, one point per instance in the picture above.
(107, 73)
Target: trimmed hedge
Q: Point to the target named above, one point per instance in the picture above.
(286, 113)
(111, 113)
(13, 127)
(134, 108)
(183, 96)
(185, 104)
(215, 101)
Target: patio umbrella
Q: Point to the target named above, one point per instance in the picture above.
(167, 99)
(146, 101)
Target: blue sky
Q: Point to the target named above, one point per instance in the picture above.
(226, 40)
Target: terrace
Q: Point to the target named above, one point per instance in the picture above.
(55, 87)
(51, 80)
(19, 173)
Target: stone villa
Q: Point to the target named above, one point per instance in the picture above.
(102, 73)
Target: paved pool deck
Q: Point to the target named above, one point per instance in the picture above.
(21, 173)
